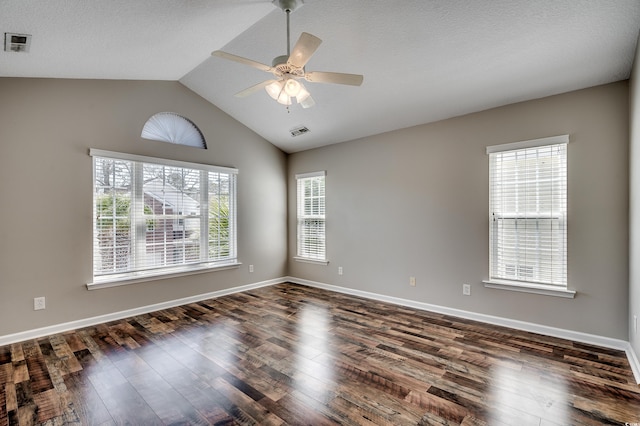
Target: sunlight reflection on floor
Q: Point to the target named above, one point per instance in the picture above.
(518, 392)
(312, 329)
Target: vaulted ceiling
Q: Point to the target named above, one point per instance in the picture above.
(422, 60)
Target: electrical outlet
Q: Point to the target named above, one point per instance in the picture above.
(339, 270)
(250, 268)
(466, 289)
(412, 281)
(38, 303)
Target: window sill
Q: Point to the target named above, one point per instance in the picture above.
(140, 277)
(307, 260)
(524, 287)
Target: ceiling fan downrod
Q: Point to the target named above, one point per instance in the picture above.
(287, 7)
(288, 12)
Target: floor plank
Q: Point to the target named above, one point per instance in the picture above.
(290, 354)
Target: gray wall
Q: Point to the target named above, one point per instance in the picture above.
(634, 202)
(414, 202)
(46, 130)
(407, 203)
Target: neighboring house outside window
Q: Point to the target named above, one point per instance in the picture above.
(154, 217)
(311, 217)
(528, 214)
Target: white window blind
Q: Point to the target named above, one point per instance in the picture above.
(528, 211)
(154, 216)
(311, 215)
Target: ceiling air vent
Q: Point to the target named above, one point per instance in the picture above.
(17, 42)
(299, 131)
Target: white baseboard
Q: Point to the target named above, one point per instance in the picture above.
(577, 336)
(633, 361)
(100, 319)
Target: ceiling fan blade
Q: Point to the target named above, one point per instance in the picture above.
(241, 60)
(253, 89)
(334, 77)
(305, 47)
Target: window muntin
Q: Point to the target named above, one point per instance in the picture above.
(311, 216)
(151, 218)
(528, 213)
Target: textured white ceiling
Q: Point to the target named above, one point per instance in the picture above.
(422, 60)
(121, 39)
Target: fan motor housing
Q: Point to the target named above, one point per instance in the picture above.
(282, 67)
(288, 5)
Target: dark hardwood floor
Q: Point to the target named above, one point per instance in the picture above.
(290, 354)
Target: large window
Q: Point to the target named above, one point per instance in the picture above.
(154, 216)
(528, 212)
(311, 216)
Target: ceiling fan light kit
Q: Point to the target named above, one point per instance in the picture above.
(284, 91)
(276, 91)
(289, 68)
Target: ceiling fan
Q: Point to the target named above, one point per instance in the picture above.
(289, 69)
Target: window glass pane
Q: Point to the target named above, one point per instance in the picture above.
(219, 216)
(112, 204)
(150, 216)
(311, 217)
(172, 242)
(528, 193)
(172, 216)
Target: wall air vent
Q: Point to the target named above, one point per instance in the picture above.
(299, 131)
(17, 42)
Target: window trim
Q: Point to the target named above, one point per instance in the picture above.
(161, 161)
(298, 257)
(152, 274)
(533, 143)
(308, 260)
(525, 286)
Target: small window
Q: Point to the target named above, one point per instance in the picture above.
(173, 128)
(154, 216)
(528, 212)
(311, 216)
